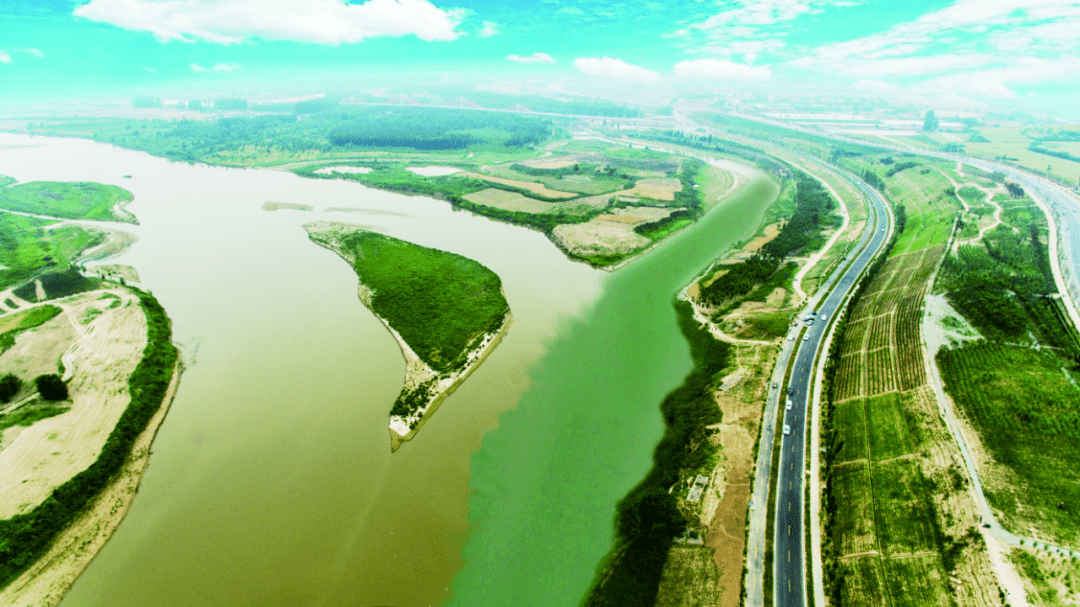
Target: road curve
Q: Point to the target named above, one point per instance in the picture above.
(789, 572)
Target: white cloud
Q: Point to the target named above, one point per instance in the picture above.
(615, 69)
(870, 85)
(319, 21)
(220, 67)
(32, 51)
(489, 29)
(533, 58)
(5, 57)
(569, 10)
(720, 69)
(149, 69)
(970, 34)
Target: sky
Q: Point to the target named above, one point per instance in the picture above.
(974, 53)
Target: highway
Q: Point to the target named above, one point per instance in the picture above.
(789, 549)
(789, 570)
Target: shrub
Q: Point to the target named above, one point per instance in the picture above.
(51, 387)
(9, 387)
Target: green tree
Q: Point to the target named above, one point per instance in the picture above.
(930, 122)
(9, 387)
(51, 387)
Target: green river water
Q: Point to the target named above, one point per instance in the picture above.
(547, 481)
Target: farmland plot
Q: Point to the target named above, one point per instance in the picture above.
(864, 582)
(917, 582)
(881, 374)
(855, 520)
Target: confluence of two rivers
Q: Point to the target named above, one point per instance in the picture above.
(272, 482)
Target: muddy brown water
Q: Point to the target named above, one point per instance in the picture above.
(271, 481)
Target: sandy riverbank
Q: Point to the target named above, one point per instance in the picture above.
(416, 371)
(45, 583)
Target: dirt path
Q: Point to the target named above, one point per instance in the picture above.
(988, 199)
(817, 257)
(99, 357)
(702, 317)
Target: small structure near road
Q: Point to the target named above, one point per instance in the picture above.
(697, 488)
(731, 381)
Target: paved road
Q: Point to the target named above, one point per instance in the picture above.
(789, 572)
(1065, 206)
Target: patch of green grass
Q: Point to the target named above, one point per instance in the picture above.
(775, 324)
(905, 516)
(690, 579)
(76, 200)
(1027, 414)
(972, 195)
(30, 413)
(850, 424)
(889, 431)
(863, 582)
(853, 523)
(917, 582)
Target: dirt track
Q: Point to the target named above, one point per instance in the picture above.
(99, 356)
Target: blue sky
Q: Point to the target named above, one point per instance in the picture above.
(961, 52)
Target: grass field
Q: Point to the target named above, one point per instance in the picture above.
(74, 200)
(29, 244)
(863, 582)
(882, 491)
(1027, 413)
(917, 582)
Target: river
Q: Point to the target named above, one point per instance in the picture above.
(271, 481)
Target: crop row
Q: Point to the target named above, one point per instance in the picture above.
(880, 372)
(848, 381)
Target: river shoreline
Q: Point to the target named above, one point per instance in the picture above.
(419, 376)
(46, 582)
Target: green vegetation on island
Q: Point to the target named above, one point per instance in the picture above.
(72, 200)
(24, 538)
(446, 308)
(29, 245)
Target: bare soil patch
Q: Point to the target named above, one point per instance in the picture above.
(531, 186)
(510, 201)
(599, 237)
(99, 356)
(657, 189)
